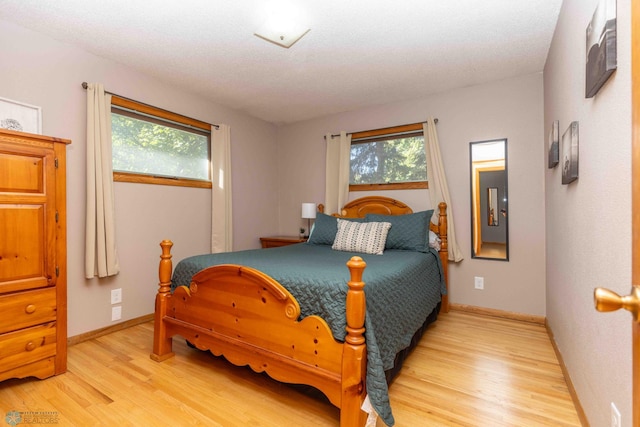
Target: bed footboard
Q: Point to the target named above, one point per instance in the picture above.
(249, 318)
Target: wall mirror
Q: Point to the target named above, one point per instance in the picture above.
(489, 208)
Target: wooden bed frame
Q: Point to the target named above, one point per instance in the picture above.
(251, 319)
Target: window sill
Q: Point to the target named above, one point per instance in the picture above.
(159, 180)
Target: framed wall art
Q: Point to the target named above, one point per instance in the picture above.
(601, 47)
(570, 154)
(554, 143)
(18, 116)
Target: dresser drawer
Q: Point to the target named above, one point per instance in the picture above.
(23, 309)
(27, 346)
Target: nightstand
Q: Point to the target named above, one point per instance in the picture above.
(274, 242)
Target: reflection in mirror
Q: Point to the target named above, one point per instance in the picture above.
(489, 228)
(492, 205)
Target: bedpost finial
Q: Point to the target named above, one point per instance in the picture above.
(356, 304)
(356, 258)
(166, 247)
(356, 267)
(165, 268)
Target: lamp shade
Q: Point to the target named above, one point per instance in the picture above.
(308, 210)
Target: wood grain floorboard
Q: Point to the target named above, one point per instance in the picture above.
(468, 370)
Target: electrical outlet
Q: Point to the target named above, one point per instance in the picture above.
(616, 419)
(116, 313)
(478, 282)
(116, 296)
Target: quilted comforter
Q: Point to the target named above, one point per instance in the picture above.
(401, 288)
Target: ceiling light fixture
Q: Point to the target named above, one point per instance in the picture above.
(284, 39)
(283, 26)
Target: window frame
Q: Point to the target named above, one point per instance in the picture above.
(140, 178)
(383, 132)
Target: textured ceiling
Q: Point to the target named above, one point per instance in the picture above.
(358, 52)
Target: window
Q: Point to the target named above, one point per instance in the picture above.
(158, 147)
(390, 158)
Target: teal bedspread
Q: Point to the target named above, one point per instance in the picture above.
(402, 288)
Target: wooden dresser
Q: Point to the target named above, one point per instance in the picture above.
(33, 255)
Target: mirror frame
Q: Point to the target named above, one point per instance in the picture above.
(503, 216)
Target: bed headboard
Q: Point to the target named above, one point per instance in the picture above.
(359, 208)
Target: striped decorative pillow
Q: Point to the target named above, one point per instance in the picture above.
(365, 237)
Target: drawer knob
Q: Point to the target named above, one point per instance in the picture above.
(30, 346)
(30, 309)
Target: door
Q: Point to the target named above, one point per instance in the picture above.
(605, 299)
(27, 217)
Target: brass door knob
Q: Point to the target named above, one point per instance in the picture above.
(607, 300)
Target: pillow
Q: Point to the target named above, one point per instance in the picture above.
(408, 232)
(325, 228)
(365, 237)
(434, 241)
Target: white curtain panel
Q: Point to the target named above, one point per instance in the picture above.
(221, 203)
(438, 188)
(101, 257)
(337, 172)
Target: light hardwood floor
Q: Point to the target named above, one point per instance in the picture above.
(493, 250)
(469, 370)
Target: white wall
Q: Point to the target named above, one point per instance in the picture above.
(588, 229)
(510, 109)
(41, 71)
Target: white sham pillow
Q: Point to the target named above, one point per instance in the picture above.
(434, 240)
(364, 237)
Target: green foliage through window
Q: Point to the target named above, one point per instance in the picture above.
(388, 160)
(151, 147)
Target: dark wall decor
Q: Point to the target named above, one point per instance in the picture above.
(554, 143)
(601, 47)
(570, 154)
